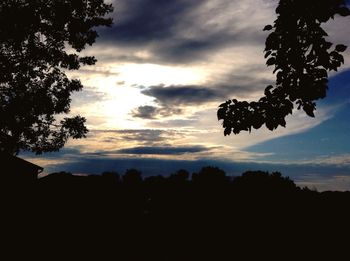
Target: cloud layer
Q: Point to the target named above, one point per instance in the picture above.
(163, 69)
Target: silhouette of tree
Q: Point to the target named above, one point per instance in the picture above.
(39, 41)
(179, 176)
(261, 211)
(209, 176)
(111, 177)
(257, 181)
(132, 176)
(301, 56)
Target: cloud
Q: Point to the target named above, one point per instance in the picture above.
(146, 20)
(92, 71)
(214, 35)
(326, 183)
(191, 50)
(53, 155)
(169, 150)
(185, 31)
(234, 86)
(175, 99)
(220, 43)
(174, 123)
(181, 95)
(138, 136)
(152, 112)
(327, 142)
(337, 160)
(325, 177)
(87, 96)
(112, 140)
(148, 166)
(145, 112)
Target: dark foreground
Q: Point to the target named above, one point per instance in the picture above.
(257, 216)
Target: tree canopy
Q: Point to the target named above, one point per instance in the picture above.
(302, 57)
(39, 41)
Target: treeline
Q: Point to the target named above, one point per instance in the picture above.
(179, 217)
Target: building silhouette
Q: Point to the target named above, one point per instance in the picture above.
(15, 169)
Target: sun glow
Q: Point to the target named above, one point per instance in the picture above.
(121, 93)
(153, 74)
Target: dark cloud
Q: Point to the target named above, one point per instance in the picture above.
(176, 50)
(234, 85)
(173, 99)
(187, 50)
(183, 50)
(148, 20)
(145, 112)
(141, 136)
(301, 174)
(176, 123)
(64, 152)
(99, 164)
(152, 112)
(160, 27)
(164, 150)
(145, 137)
(190, 50)
(181, 95)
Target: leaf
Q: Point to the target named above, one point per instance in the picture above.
(271, 61)
(309, 110)
(301, 57)
(343, 11)
(267, 27)
(269, 124)
(327, 45)
(227, 131)
(271, 41)
(276, 69)
(323, 73)
(283, 123)
(267, 53)
(267, 90)
(221, 113)
(340, 48)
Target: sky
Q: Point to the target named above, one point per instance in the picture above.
(163, 69)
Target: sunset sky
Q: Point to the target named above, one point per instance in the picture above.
(165, 66)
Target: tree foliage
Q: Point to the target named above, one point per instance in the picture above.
(302, 57)
(39, 41)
